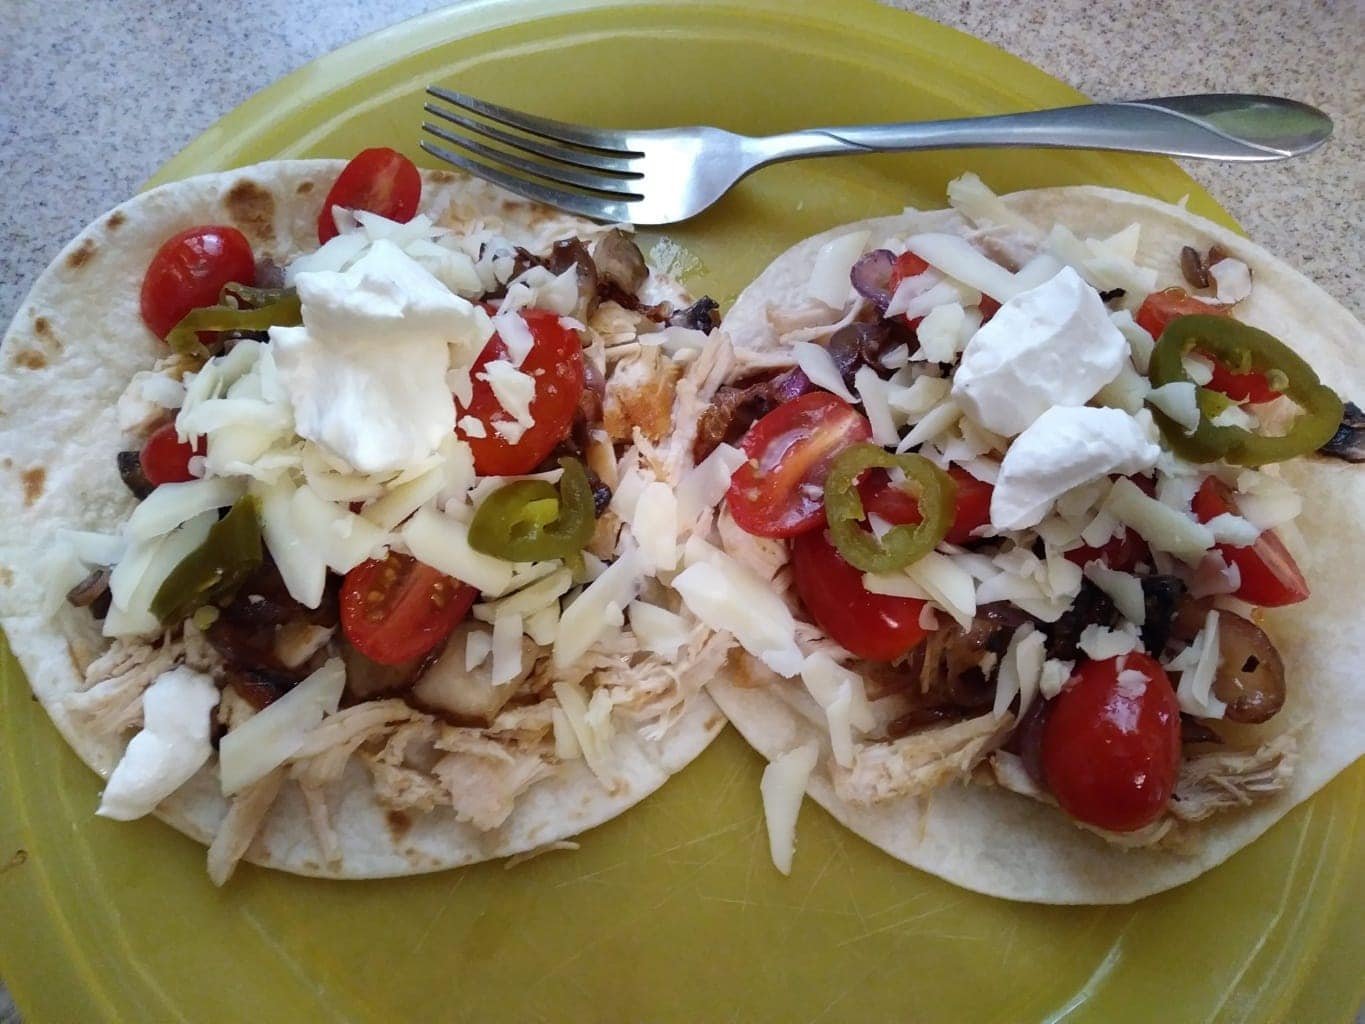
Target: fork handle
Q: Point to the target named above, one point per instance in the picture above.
(1219, 126)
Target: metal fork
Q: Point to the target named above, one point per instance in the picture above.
(664, 175)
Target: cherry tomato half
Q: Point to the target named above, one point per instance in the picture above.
(779, 491)
(872, 626)
(556, 364)
(379, 180)
(189, 271)
(1270, 576)
(1111, 743)
(1160, 308)
(397, 608)
(898, 506)
(165, 458)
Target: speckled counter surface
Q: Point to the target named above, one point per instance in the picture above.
(97, 94)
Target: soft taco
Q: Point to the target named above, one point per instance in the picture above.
(315, 544)
(1047, 588)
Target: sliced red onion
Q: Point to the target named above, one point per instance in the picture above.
(791, 384)
(871, 276)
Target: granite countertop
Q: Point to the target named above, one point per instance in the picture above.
(97, 96)
(99, 101)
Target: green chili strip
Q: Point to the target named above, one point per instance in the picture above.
(229, 554)
(247, 297)
(184, 337)
(1241, 348)
(529, 521)
(903, 544)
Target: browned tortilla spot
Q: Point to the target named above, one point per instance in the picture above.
(399, 823)
(81, 255)
(29, 359)
(252, 209)
(33, 480)
(116, 219)
(6, 576)
(41, 326)
(304, 188)
(442, 177)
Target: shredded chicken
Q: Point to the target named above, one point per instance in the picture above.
(1209, 783)
(113, 703)
(613, 650)
(233, 709)
(699, 383)
(405, 789)
(321, 820)
(482, 779)
(640, 393)
(325, 752)
(239, 828)
(813, 314)
(525, 725)
(919, 762)
(822, 329)
(657, 691)
(619, 326)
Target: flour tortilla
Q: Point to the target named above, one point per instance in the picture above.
(1002, 844)
(72, 348)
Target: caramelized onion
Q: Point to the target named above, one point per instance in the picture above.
(1250, 678)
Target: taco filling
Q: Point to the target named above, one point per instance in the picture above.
(381, 521)
(1018, 511)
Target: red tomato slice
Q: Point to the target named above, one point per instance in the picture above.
(907, 265)
(165, 458)
(1251, 386)
(398, 609)
(1270, 576)
(1111, 749)
(189, 271)
(379, 180)
(556, 363)
(1160, 308)
(898, 506)
(779, 491)
(872, 626)
(1121, 552)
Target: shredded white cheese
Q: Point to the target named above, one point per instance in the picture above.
(1198, 667)
(783, 786)
(817, 364)
(270, 737)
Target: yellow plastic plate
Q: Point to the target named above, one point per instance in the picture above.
(672, 912)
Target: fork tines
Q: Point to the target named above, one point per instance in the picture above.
(586, 170)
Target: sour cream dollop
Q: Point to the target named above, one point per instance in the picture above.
(366, 373)
(1051, 345)
(1064, 448)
